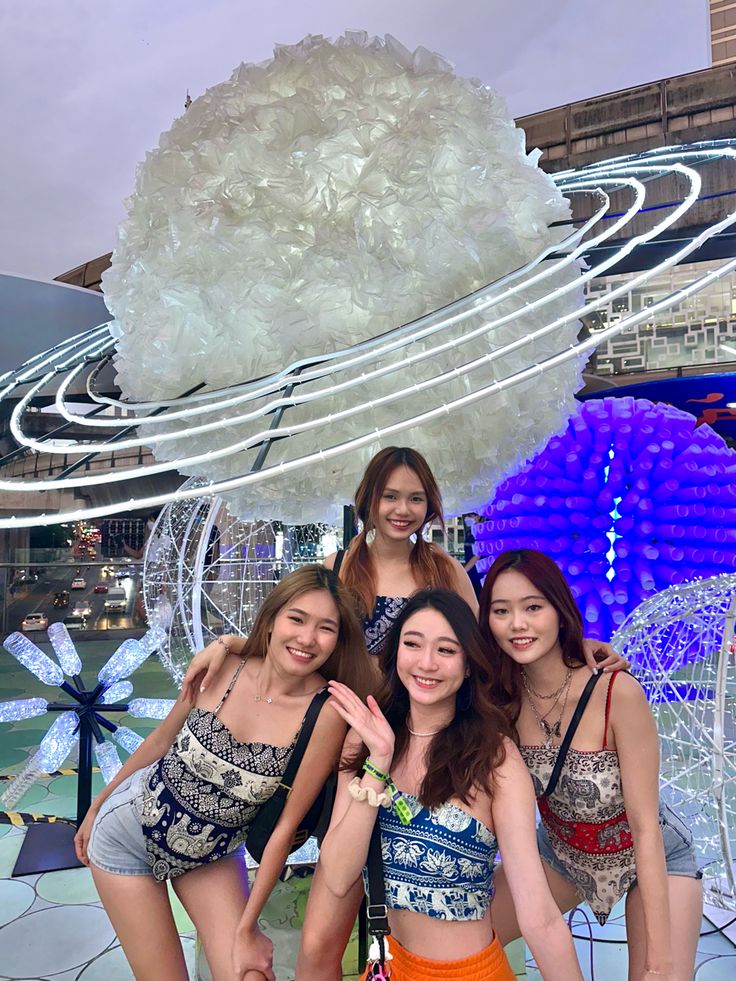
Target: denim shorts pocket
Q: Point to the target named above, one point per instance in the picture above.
(669, 819)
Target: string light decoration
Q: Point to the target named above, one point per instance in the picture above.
(681, 644)
(83, 718)
(629, 499)
(206, 573)
(505, 349)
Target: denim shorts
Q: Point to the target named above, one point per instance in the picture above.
(679, 851)
(116, 843)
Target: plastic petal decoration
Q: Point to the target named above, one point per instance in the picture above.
(57, 743)
(129, 656)
(65, 650)
(151, 708)
(33, 659)
(22, 708)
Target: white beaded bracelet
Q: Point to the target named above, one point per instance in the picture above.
(368, 794)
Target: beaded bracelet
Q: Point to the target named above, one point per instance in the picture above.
(219, 640)
(368, 794)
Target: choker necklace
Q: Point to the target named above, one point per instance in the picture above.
(433, 733)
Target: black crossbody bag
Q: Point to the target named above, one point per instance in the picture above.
(316, 820)
(377, 913)
(569, 733)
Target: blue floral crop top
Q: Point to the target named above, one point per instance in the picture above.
(441, 864)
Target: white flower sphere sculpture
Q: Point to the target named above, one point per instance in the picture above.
(316, 201)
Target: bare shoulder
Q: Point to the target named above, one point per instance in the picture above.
(627, 692)
(512, 759)
(329, 561)
(219, 682)
(329, 725)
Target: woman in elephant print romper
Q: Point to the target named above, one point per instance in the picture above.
(604, 833)
(180, 807)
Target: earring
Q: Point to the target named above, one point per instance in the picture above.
(370, 536)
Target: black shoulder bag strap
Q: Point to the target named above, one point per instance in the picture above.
(377, 913)
(569, 733)
(310, 719)
(339, 556)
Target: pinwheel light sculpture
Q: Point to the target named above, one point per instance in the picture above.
(82, 718)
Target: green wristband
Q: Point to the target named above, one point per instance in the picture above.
(372, 770)
(398, 803)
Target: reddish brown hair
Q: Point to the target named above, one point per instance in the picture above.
(460, 758)
(544, 574)
(431, 566)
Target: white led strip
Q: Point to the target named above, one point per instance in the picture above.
(73, 357)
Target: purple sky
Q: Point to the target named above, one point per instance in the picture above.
(87, 87)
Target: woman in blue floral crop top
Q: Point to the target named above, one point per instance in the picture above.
(456, 785)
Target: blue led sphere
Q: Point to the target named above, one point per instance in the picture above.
(631, 498)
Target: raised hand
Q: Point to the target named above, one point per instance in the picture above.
(366, 720)
(600, 656)
(202, 670)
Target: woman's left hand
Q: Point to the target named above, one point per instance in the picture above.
(252, 956)
(600, 656)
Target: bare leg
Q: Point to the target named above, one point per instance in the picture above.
(686, 912)
(328, 922)
(140, 912)
(503, 914)
(214, 896)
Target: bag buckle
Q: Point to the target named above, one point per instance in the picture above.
(377, 915)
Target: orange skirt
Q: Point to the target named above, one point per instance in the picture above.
(490, 964)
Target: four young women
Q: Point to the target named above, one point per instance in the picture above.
(387, 563)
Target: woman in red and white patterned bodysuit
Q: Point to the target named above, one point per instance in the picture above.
(604, 833)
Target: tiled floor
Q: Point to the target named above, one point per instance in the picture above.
(52, 927)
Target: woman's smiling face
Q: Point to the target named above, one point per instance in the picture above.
(304, 632)
(430, 662)
(524, 623)
(402, 506)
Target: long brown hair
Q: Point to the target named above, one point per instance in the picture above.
(461, 757)
(431, 566)
(350, 662)
(544, 574)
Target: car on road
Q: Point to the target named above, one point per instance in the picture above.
(101, 587)
(75, 622)
(82, 609)
(117, 600)
(61, 599)
(34, 621)
(79, 582)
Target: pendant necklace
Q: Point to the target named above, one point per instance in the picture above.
(551, 730)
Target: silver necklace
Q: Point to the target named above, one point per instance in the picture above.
(555, 694)
(551, 730)
(433, 733)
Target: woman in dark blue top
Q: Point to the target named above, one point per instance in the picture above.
(182, 803)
